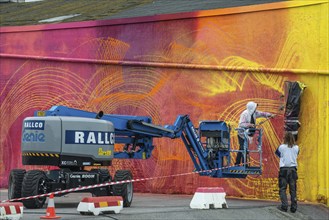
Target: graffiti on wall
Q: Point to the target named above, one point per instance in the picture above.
(160, 91)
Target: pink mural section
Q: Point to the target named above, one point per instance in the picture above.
(158, 66)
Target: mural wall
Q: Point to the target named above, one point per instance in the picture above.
(207, 64)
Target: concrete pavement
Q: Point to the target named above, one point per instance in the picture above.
(160, 206)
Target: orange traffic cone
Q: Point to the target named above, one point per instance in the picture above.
(50, 212)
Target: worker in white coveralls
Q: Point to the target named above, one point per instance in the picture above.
(248, 121)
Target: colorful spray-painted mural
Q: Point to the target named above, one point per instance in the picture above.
(207, 64)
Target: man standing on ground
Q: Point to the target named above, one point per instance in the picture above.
(288, 153)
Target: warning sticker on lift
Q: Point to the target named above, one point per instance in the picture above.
(102, 152)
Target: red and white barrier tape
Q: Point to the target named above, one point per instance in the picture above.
(114, 183)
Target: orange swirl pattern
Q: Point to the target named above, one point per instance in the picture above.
(261, 38)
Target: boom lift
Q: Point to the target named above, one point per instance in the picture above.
(72, 139)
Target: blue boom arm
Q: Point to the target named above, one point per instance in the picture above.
(208, 146)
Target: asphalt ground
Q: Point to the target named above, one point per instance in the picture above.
(161, 206)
